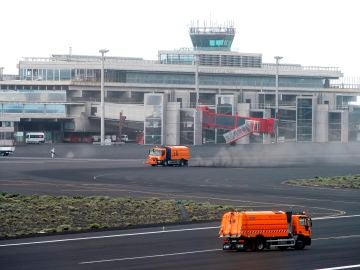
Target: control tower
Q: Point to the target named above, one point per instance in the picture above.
(218, 38)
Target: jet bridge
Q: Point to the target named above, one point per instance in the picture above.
(238, 126)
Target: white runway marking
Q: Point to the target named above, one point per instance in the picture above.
(152, 256)
(337, 237)
(200, 251)
(334, 217)
(341, 267)
(145, 233)
(107, 236)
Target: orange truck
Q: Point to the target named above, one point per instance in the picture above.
(256, 230)
(168, 156)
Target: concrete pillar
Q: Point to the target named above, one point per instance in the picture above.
(172, 123)
(345, 126)
(243, 109)
(185, 98)
(322, 123)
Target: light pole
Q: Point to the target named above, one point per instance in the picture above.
(102, 95)
(197, 114)
(197, 79)
(277, 58)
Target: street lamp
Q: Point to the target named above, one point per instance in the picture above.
(197, 79)
(197, 114)
(277, 58)
(102, 95)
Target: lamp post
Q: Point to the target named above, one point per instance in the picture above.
(197, 114)
(102, 95)
(277, 58)
(197, 78)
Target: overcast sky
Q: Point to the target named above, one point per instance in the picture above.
(308, 32)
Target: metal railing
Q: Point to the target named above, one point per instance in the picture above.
(290, 67)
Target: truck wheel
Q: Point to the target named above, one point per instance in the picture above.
(259, 243)
(165, 163)
(300, 244)
(182, 163)
(251, 245)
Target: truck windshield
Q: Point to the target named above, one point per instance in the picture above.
(304, 221)
(155, 152)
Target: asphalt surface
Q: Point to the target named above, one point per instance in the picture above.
(247, 176)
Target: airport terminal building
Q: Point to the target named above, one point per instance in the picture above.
(160, 100)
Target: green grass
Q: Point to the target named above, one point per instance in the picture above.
(349, 181)
(23, 215)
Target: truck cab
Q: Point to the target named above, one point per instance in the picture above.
(301, 225)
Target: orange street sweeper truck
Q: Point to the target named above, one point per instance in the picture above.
(256, 230)
(169, 156)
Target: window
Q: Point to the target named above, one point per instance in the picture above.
(34, 108)
(55, 108)
(12, 108)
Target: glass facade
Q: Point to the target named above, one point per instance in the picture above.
(354, 124)
(32, 108)
(343, 101)
(224, 106)
(148, 77)
(304, 120)
(33, 74)
(33, 96)
(154, 118)
(334, 127)
(186, 126)
(287, 124)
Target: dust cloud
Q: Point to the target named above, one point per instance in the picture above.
(274, 155)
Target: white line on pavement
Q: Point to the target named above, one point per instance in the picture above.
(334, 217)
(199, 251)
(135, 234)
(152, 256)
(107, 236)
(341, 267)
(337, 237)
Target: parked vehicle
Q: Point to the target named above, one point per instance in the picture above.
(35, 137)
(124, 138)
(168, 156)
(7, 145)
(256, 230)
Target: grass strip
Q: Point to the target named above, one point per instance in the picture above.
(349, 181)
(28, 215)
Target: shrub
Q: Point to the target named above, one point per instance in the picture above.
(94, 226)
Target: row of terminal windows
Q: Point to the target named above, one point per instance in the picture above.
(32, 108)
(168, 78)
(213, 60)
(33, 87)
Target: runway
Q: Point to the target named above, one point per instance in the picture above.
(335, 240)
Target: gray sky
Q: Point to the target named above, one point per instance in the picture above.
(307, 32)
